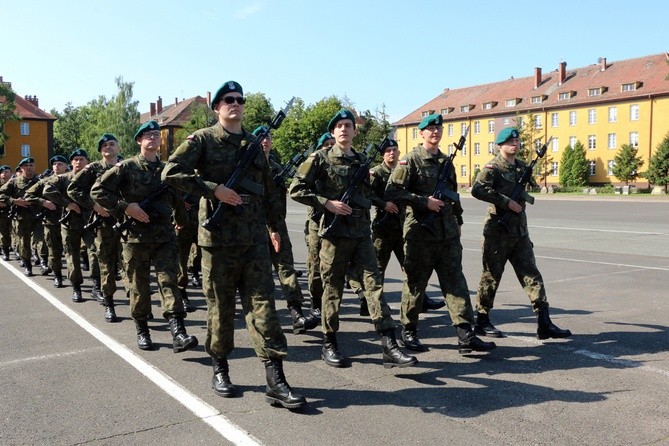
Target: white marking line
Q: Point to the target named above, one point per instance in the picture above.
(598, 356)
(564, 228)
(43, 357)
(201, 409)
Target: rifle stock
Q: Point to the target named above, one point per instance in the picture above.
(145, 204)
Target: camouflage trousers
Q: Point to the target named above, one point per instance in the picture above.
(519, 251)
(385, 245)
(28, 232)
(335, 256)
(107, 244)
(247, 269)
(54, 242)
(186, 238)
(5, 231)
(421, 258)
(313, 241)
(138, 258)
(72, 239)
(284, 265)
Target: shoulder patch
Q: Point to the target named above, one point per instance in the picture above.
(190, 137)
(403, 162)
(489, 166)
(371, 173)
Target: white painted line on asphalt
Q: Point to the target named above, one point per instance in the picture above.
(43, 357)
(614, 231)
(201, 409)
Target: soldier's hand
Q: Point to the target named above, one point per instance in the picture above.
(74, 207)
(100, 210)
(338, 207)
(227, 196)
(21, 202)
(49, 205)
(3, 205)
(134, 211)
(276, 240)
(434, 204)
(515, 207)
(391, 207)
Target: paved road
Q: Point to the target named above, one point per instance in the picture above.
(69, 378)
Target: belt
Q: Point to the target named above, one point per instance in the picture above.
(357, 213)
(246, 198)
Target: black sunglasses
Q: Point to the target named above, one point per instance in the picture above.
(231, 100)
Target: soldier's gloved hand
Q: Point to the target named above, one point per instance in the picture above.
(134, 211)
(227, 196)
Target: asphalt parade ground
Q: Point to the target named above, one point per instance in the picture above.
(69, 378)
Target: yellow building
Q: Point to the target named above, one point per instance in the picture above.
(32, 135)
(603, 106)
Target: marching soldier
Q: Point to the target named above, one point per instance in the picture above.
(5, 222)
(511, 242)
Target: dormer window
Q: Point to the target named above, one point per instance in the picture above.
(445, 111)
(538, 99)
(466, 108)
(630, 87)
(597, 91)
(511, 102)
(565, 95)
(489, 105)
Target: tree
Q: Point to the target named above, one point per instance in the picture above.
(528, 135)
(574, 166)
(627, 164)
(201, 116)
(67, 129)
(658, 166)
(257, 111)
(565, 166)
(7, 110)
(477, 170)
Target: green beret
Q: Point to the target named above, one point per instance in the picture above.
(260, 128)
(25, 160)
(227, 87)
(324, 137)
(146, 127)
(5, 167)
(104, 138)
(434, 119)
(56, 158)
(506, 134)
(341, 114)
(78, 152)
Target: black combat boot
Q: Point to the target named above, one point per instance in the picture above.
(181, 341)
(96, 293)
(468, 342)
(392, 355)
(364, 309)
(76, 293)
(484, 327)
(220, 382)
(278, 391)
(143, 336)
(5, 254)
(27, 268)
(410, 340)
(300, 322)
(188, 307)
(195, 278)
(330, 352)
(431, 304)
(547, 329)
(110, 312)
(44, 267)
(58, 279)
(316, 309)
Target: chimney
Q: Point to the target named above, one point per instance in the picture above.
(176, 101)
(33, 100)
(159, 105)
(537, 77)
(209, 99)
(152, 109)
(602, 63)
(562, 72)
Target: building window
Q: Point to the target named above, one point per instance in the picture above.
(511, 102)
(572, 141)
(610, 164)
(634, 139)
(464, 150)
(592, 142)
(415, 133)
(555, 145)
(25, 129)
(491, 148)
(463, 170)
(563, 96)
(595, 91)
(613, 142)
(450, 129)
(445, 111)
(463, 128)
(592, 116)
(491, 126)
(477, 127)
(487, 106)
(25, 150)
(572, 118)
(554, 119)
(537, 99)
(464, 108)
(634, 112)
(593, 166)
(537, 121)
(506, 121)
(424, 114)
(477, 148)
(554, 169)
(521, 122)
(613, 114)
(628, 87)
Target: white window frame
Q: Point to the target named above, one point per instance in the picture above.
(573, 119)
(477, 127)
(25, 150)
(593, 168)
(592, 116)
(491, 148)
(613, 114)
(634, 139)
(555, 119)
(572, 141)
(634, 112)
(610, 164)
(592, 142)
(477, 148)
(555, 169)
(449, 129)
(414, 133)
(612, 141)
(491, 126)
(555, 145)
(25, 128)
(463, 170)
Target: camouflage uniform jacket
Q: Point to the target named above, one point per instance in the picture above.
(16, 187)
(383, 221)
(35, 194)
(326, 175)
(411, 183)
(279, 195)
(214, 153)
(55, 190)
(132, 180)
(80, 187)
(494, 184)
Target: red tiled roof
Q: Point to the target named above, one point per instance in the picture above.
(174, 114)
(27, 110)
(651, 73)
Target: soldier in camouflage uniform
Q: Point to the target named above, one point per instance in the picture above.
(283, 261)
(150, 238)
(320, 182)
(235, 255)
(186, 239)
(510, 242)
(51, 219)
(5, 222)
(411, 184)
(25, 223)
(107, 240)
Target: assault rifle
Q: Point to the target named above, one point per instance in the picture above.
(291, 166)
(145, 204)
(518, 195)
(358, 178)
(239, 174)
(441, 189)
(96, 220)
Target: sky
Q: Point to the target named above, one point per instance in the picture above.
(396, 55)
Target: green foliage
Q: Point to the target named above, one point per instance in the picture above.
(7, 110)
(658, 167)
(201, 116)
(67, 129)
(257, 111)
(528, 135)
(574, 166)
(565, 166)
(627, 164)
(477, 170)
